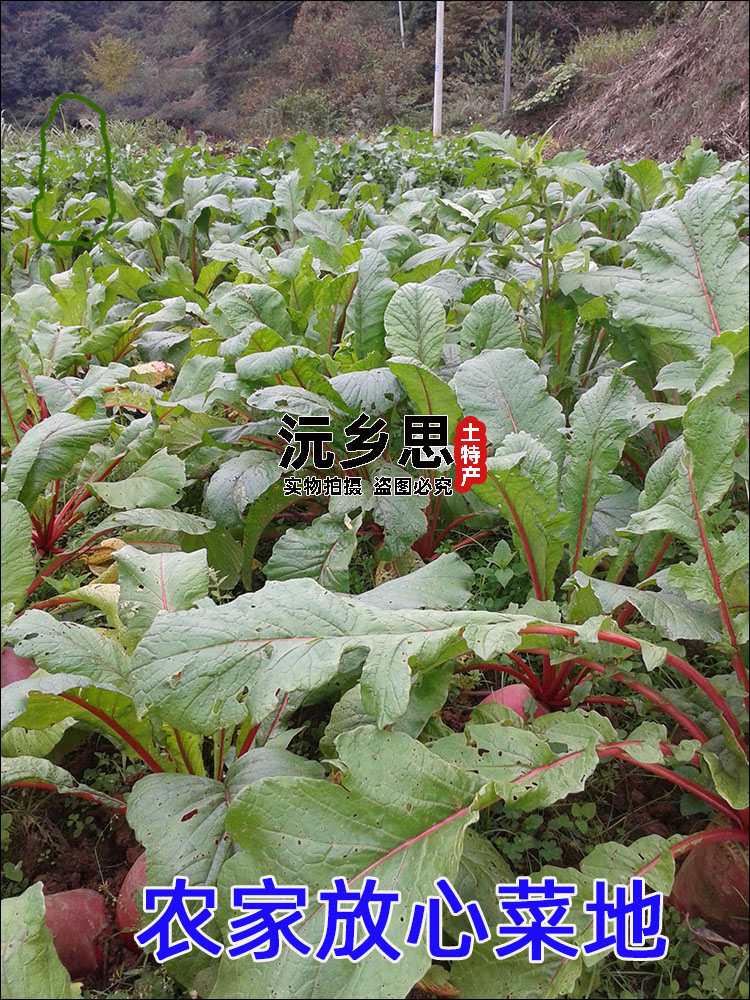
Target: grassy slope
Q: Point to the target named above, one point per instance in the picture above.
(689, 79)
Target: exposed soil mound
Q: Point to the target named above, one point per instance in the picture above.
(690, 80)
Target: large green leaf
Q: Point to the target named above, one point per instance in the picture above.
(24, 768)
(164, 581)
(522, 483)
(157, 483)
(483, 977)
(19, 568)
(490, 324)
(287, 197)
(599, 425)
(238, 483)
(205, 671)
(442, 583)
(179, 818)
(369, 300)
(264, 363)
(694, 271)
(30, 966)
(153, 517)
(529, 770)
(429, 691)
(403, 517)
(710, 440)
(243, 304)
(506, 390)
(730, 556)
(68, 647)
(373, 391)
(427, 391)
(13, 408)
(48, 451)
(44, 700)
(674, 615)
(415, 324)
(570, 166)
(321, 552)
(400, 815)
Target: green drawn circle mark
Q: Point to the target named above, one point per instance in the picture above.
(108, 162)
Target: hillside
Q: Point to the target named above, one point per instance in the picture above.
(620, 78)
(689, 80)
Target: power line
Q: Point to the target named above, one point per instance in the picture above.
(225, 43)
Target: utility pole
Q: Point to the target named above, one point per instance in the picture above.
(437, 105)
(508, 44)
(401, 22)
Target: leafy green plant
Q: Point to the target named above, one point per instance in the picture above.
(557, 83)
(268, 665)
(606, 51)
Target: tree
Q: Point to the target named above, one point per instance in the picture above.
(111, 63)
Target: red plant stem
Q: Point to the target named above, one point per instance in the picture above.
(410, 842)
(739, 666)
(502, 668)
(220, 764)
(582, 524)
(61, 560)
(453, 524)
(707, 297)
(248, 740)
(124, 351)
(82, 492)
(628, 609)
(55, 496)
(6, 407)
(548, 674)
(48, 787)
(53, 603)
(470, 540)
(562, 675)
(633, 464)
(538, 591)
(673, 661)
(578, 679)
(153, 254)
(693, 675)
(115, 726)
(528, 671)
(183, 752)
(653, 695)
(266, 444)
(282, 706)
(603, 750)
(677, 779)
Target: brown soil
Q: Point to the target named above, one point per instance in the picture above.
(67, 843)
(458, 713)
(690, 80)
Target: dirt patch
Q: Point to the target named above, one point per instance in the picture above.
(66, 843)
(457, 714)
(690, 80)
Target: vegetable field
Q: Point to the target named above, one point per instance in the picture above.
(426, 685)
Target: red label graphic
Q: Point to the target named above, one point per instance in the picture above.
(470, 453)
